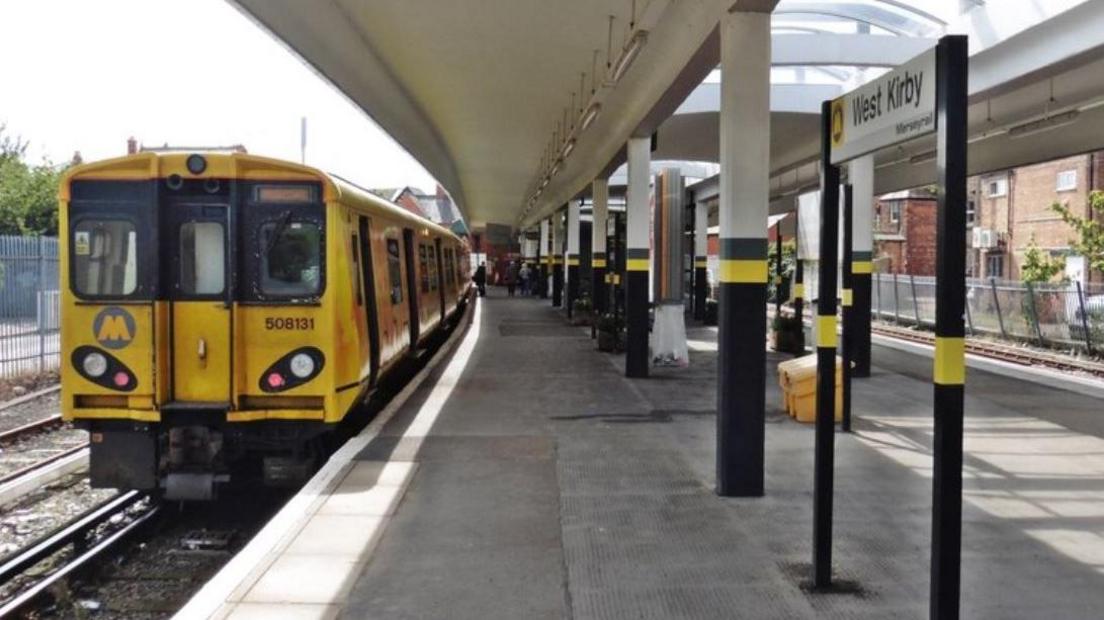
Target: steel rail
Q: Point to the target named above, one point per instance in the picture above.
(75, 532)
(11, 435)
(37, 465)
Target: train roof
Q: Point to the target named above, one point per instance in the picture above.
(223, 165)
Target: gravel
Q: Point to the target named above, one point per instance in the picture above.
(46, 510)
(30, 411)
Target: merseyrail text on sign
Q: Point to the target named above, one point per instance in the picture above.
(895, 107)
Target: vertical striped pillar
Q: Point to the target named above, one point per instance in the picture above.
(824, 455)
(572, 256)
(599, 191)
(637, 258)
(949, 371)
(847, 314)
(701, 259)
(542, 258)
(744, 198)
(556, 255)
(861, 175)
(799, 267)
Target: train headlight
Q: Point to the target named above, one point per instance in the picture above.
(302, 365)
(94, 364)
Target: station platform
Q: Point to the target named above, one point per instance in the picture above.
(527, 478)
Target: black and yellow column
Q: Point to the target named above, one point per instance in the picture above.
(556, 256)
(542, 258)
(744, 199)
(949, 372)
(826, 341)
(799, 269)
(861, 176)
(572, 256)
(637, 258)
(600, 198)
(701, 247)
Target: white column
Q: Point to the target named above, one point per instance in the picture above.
(636, 199)
(599, 191)
(573, 231)
(744, 197)
(861, 175)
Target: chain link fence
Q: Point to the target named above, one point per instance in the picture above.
(1056, 315)
(29, 305)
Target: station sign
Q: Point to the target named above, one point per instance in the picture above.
(896, 107)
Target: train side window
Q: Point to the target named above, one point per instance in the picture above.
(394, 270)
(355, 248)
(202, 258)
(105, 257)
(292, 258)
(423, 266)
(449, 262)
(432, 267)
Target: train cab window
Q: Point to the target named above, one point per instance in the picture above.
(394, 271)
(291, 258)
(432, 267)
(105, 258)
(423, 266)
(202, 258)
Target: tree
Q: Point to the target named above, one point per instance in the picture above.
(28, 194)
(1090, 230)
(1039, 266)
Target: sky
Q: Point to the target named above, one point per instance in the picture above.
(84, 76)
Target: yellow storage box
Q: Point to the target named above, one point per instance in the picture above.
(797, 378)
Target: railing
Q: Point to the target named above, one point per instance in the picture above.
(29, 308)
(1056, 315)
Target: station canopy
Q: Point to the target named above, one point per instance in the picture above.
(516, 106)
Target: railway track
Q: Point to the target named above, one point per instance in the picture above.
(1007, 353)
(86, 538)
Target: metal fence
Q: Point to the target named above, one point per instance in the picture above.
(29, 305)
(1062, 315)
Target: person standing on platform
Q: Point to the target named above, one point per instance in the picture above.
(480, 279)
(511, 277)
(523, 278)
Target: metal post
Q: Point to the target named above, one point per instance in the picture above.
(969, 318)
(799, 275)
(42, 304)
(878, 288)
(996, 304)
(1084, 316)
(949, 376)
(896, 301)
(915, 301)
(600, 199)
(573, 253)
(542, 258)
(701, 259)
(847, 299)
(1034, 314)
(824, 452)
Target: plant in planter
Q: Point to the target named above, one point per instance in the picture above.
(788, 335)
(582, 309)
(610, 330)
(710, 312)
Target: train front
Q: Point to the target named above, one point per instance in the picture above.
(194, 331)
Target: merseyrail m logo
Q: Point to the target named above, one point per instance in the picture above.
(837, 122)
(113, 327)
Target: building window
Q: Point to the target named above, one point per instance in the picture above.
(971, 213)
(1067, 181)
(895, 212)
(994, 265)
(998, 188)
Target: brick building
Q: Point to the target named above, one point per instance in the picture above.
(1006, 210)
(904, 233)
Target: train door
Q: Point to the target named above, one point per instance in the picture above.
(441, 277)
(367, 266)
(412, 286)
(195, 238)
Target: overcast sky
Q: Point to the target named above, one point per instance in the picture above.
(84, 76)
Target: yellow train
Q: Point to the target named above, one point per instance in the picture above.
(223, 308)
